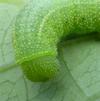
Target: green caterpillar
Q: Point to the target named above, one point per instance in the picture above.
(41, 25)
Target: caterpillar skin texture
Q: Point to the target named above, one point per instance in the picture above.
(41, 25)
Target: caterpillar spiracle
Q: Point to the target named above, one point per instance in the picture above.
(41, 25)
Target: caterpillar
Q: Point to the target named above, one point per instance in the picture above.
(41, 25)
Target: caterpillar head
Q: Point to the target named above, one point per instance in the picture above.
(40, 69)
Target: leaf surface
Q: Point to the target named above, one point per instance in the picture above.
(79, 79)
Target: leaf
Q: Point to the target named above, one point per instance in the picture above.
(79, 79)
(14, 2)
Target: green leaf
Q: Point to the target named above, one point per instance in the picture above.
(79, 79)
(14, 2)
